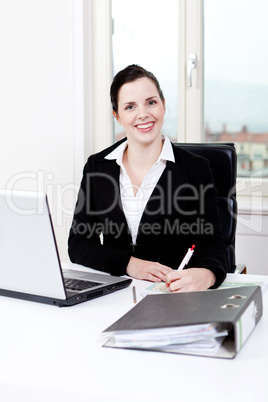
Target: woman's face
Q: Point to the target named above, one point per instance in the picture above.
(140, 111)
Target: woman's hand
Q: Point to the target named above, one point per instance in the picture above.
(190, 280)
(147, 270)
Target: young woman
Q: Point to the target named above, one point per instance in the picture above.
(143, 202)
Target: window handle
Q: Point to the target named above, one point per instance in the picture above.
(191, 65)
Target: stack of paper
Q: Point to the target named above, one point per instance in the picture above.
(159, 288)
(205, 337)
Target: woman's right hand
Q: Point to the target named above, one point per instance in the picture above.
(147, 270)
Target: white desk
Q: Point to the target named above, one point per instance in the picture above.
(53, 354)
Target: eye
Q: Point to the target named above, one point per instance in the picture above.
(129, 107)
(152, 102)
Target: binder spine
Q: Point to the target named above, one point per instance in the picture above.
(248, 320)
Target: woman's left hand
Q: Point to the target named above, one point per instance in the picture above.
(190, 280)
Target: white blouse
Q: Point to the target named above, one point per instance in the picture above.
(134, 205)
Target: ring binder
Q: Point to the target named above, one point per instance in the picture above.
(223, 308)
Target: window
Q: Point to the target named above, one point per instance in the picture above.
(236, 80)
(146, 33)
(154, 34)
(229, 95)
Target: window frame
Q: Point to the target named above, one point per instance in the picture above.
(190, 99)
(101, 73)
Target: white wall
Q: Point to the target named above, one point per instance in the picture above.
(36, 104)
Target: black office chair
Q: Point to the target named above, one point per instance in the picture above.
(223, 163)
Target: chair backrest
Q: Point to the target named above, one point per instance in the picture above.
(223, 163)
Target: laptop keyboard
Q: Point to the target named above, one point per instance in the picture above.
(78, 284)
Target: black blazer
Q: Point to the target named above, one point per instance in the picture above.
(181, 211)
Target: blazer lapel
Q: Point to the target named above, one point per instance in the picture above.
(161, 203)
(106, 185)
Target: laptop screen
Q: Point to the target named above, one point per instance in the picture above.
(29, 260)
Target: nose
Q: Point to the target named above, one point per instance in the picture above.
(142, 113)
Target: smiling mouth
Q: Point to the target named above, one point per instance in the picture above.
(144, 126)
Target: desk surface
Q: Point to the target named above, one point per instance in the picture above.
(55, 354)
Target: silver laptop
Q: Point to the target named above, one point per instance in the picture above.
(29, 260)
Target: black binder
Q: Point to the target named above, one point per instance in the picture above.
(236, 309)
